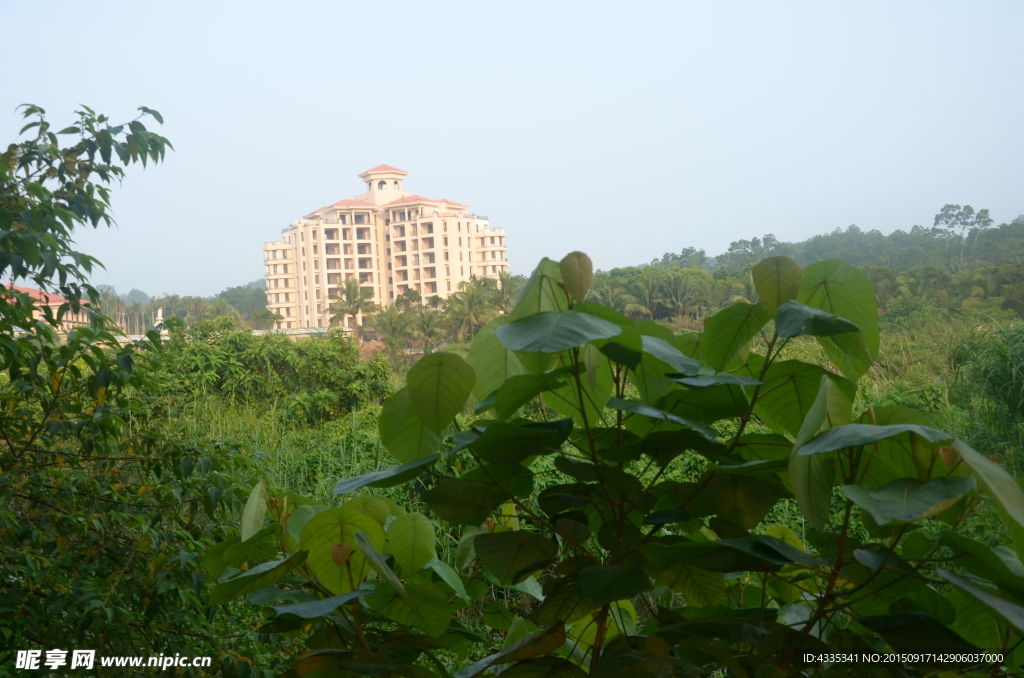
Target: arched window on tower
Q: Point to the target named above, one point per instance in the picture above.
(396, 185)
(383, 185)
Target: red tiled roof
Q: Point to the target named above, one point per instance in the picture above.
(450, 202)
(38, 295)
(412, 198)
(384, 168)
(351, 201)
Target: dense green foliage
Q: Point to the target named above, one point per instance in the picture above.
(578, 490)
(312, 380)
(609, 462)
(101, 519)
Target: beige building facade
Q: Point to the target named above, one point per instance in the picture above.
(388, 239)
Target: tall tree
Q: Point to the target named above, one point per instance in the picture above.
(353, 301)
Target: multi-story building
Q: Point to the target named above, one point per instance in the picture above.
(388, 239)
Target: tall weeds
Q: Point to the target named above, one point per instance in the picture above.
(991, 369)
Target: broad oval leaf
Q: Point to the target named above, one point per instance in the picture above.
(907, 499)
(439, 385)
(577, 273)
(654, 413)
(729, 330)
(255, 578)
(492, 362)
(512, 556)
(541, 292)
(812, 478)
(255, 510)
(403, 433)
(424, 607)
(856, 435)
(554, 332)
(462, 502)
(386, 478)
(777, 280)
(1000, 490)
(315, 608)
(333, 526)
(626, 347)
(412, 541)
(837, 287)
(794, 319)
(615, 581)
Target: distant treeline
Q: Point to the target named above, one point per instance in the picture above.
(968, 243)
(969, 266)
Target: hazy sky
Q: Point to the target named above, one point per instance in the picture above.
(622, 129)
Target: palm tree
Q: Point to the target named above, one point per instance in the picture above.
(408, 300)
(354, 300)
(507, 291)
(221, 307)
(428, 327)
(744, 290)
(685, 292)
(610, 293)
(645, 290)
(195, 309)
(469, 310)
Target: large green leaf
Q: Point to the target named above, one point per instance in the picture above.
(1013, 613)
(425, 607)
(916, 632)
(900, 456)
(577, 273)
(702, 588)
(503, 443)
(403, 433)
(741, 499)
(512, 556)
(707, 405)
(492, 362)
(794, 319)
(255, 578)
(737, 629)
(789, 390)
(537, 643)
(314, 608)
(999, 489)
(462, 502)
(908, 499)
(451, 578)
(596, 384)
(386, 478)
(777, 280)
(615, 581)
(544, 667)
(729, 330)
(255, 510)
(857, 435)
(439, 385)
(981, 561)
(563, 602)
(839, 288)
(541, 292)
(510, 480)
(339, 526)
(519, 390)
(670, 355)
(811, 478)
(654, 413)
(412, 541)
(625, 347)
(554, 332)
